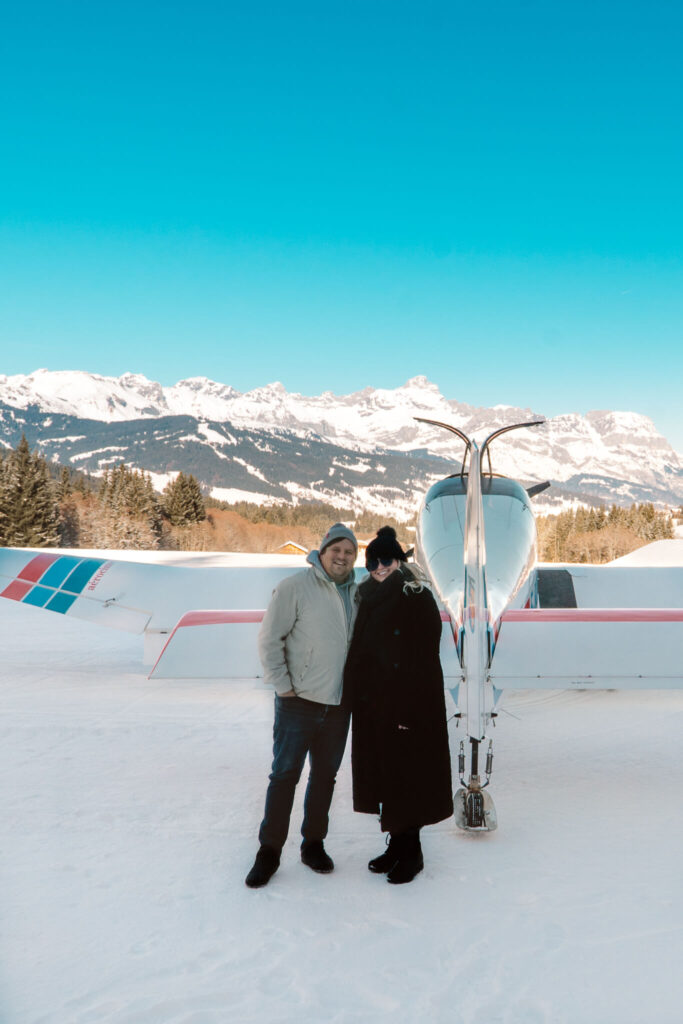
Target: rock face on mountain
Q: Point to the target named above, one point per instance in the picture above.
(359, 450)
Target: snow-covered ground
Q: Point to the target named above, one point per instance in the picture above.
(657, 553)
(129, 816)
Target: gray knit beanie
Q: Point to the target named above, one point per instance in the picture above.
(338, 532)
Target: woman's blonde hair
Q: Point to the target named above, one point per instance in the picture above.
(417, 581)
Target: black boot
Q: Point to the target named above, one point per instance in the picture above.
(410, 861)
(313, 855)
(385, 862)
(266, 864)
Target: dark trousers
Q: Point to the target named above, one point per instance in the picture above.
(303, 727)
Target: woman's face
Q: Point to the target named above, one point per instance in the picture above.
(381, 572)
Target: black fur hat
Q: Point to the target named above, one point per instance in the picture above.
(385, 545)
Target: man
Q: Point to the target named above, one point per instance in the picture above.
(303, 645)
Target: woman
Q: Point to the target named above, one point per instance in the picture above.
(399, 750)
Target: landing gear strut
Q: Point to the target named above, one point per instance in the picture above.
(474, 808)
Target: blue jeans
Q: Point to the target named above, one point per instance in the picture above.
(303, 727)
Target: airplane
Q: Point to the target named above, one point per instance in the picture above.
(508, 623)
(517, 625)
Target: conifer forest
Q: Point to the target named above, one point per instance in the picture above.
(45, 505)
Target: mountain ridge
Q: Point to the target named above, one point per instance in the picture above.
(608, 455)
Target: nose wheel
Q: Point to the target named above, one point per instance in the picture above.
(473, 807)
(474, 810)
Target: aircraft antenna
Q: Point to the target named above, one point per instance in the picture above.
(504, 430)
(453, 430)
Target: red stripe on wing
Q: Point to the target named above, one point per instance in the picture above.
(215, 618)
(593, 615)
(36, 567)
(16, 590)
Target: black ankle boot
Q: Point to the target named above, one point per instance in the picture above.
(410, 861)
(385, 862)
(313, 855)
(266, 864)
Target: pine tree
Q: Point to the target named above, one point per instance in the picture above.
(103, 489)
(152, 508)
(64, 488)
(616, 516)
(183, 501)
(29, 513)
(69, 525)
(198, 509)
(4, 501)
(175, 502)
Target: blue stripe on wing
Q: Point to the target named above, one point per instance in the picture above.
(82, 574)
(59, 570)
(38, 596)
(60, 602)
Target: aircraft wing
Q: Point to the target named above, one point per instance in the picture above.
(595, 627)
(211, 644)
(129, 595)
(198, 622)
(153, 599)
(95, 589)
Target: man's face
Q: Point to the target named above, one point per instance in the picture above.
(337, 559)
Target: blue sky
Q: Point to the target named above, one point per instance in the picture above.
(347, 194)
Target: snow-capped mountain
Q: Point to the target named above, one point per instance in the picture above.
(614, 456)
(76, 393)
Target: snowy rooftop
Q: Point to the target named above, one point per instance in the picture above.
(660, 552)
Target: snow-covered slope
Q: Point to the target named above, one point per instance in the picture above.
(616, 456)
(88, 395)
(130, 813)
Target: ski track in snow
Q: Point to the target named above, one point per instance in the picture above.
(130, 810)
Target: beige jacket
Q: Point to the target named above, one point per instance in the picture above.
(305, 636)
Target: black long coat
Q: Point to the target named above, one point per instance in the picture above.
(393, 678)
